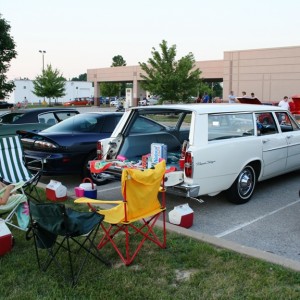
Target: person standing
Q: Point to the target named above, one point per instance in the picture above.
(284, 103)
(205, 98)
(231, 97)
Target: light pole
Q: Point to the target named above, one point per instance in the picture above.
(43, 53)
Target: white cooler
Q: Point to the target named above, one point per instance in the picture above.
(6, 239)
(182, 215)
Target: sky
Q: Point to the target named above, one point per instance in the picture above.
(79, 35)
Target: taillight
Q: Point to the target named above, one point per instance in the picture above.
(184, 147)
(188, 164)
(99, 151)
(44, 145)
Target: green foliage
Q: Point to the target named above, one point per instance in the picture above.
(118, 61)
(109, 89)
(7, 53)
(81, 77)
(50, 84)
(170, 79)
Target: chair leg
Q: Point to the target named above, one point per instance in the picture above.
(146, 230)
(71, 275)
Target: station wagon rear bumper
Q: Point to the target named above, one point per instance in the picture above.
(186, 190)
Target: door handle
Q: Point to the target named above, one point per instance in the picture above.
(265, 141)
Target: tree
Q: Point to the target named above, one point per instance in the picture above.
(118, 61)
(170, 79)
(50, 84)
(7, 53)
(81, 77)
(109, 89)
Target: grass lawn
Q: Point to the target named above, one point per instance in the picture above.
(187, 269)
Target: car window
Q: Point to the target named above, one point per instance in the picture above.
(62, 115)
(286, 123)
(48, 118)
(145, 125)
(64, 126)
(265, 123)
(109, 123)
(227, 126)
(10, 117)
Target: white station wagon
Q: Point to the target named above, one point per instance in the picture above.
(213, 147)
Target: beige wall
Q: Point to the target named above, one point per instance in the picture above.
(269, 73)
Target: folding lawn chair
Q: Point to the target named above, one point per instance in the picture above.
(13, 168)
(59, 235)
(137, 213)
(15, 206)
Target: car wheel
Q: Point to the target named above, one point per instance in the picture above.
(243, 187)
(96, 177)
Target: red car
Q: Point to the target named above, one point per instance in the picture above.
(79, 102)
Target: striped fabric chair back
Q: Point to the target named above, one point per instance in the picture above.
(12, 167)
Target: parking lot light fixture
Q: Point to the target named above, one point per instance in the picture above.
(43, 53)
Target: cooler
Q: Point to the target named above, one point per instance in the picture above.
(6, 239)
(182, 215)
(55, 191)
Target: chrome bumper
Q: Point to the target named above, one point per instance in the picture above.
(189, 191)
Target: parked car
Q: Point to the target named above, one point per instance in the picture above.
(5, 105)
(33, 119)
(79, 102)
(67, 147)
(150, 101)
(115, 103)
(224, 147)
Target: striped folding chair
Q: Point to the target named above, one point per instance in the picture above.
(13, 168)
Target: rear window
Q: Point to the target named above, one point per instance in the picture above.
(10, 118)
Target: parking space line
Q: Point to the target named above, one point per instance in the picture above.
(253, 221)
(113, 188)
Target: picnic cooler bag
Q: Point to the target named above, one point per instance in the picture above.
(6, 239)
(90, 191)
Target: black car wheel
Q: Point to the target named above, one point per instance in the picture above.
(243, 187)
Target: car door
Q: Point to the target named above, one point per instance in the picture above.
(274, 145)
(291, 132)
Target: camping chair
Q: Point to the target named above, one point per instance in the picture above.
(15, 206)
(137, 213)
(13, 168)
(59, 234)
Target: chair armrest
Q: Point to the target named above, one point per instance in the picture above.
(17, 186)
(94, 201)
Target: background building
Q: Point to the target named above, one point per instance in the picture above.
(269, 73)
(74, 89)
